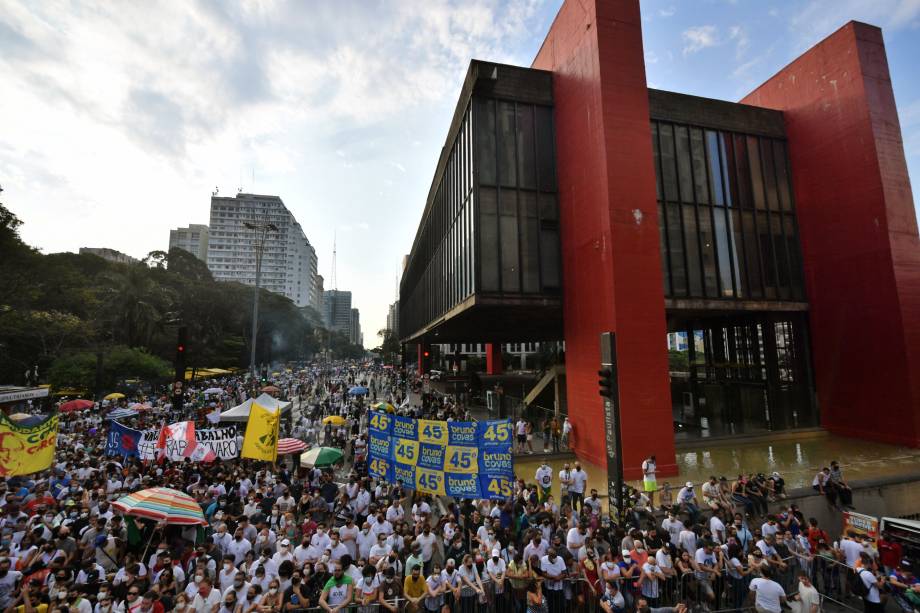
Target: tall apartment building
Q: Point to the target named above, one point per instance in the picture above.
(355, 336)
(193, 239)
(111, 255)
(337, 310)
(289, 262)
(393, 319)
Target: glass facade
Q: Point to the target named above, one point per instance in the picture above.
(726, 216)
(518, 216)
(491, 224)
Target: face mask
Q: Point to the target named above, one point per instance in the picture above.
(273, 590)
(199, 578)
(237, 583)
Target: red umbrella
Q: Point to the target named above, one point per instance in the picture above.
(76, 405)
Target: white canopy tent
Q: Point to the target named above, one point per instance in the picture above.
(241, 412)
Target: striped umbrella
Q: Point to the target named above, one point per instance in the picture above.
(321, 456)
(290, 445)
(122, 414)
(162, 504)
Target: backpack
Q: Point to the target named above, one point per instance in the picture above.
(858, 586)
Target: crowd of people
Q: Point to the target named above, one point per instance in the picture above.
(285, 538)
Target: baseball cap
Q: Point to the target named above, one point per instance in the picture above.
(689, 483)
(285, 543)
(495, 553)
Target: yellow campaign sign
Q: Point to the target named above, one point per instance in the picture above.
(27, 449)
(429, 481)
(432, 432)
(261, 439)
(463, 460)
(406, 451)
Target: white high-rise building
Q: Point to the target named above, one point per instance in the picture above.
(289, 262)
(193, 239)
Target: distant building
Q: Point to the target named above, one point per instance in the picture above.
(109, 254)
(337, 310)
(355, 336)
(318, 294)
(393, 319)
(193, 239)
(289, 261)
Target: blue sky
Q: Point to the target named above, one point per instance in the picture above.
(119, 119)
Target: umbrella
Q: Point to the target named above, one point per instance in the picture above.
(335, 420)
(270, 389)
(321, 456)
(214, 390)
(114, 396)
(122, 414)
(290, 445)
(384, 406)
(137, 406)
(358, 390)
(76, 405)
(162, 504)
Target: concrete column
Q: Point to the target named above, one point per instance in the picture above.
(493, 359)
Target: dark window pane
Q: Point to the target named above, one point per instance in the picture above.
(743, 173)
(549, 211)
(676, 249)
(549, 257)
(545, 150)
(665, 269)
(683, 163)
(795, 260)
(736, 243)
(488, 240)
(668, 169)
(511, 267)
(485, 136)
(708, 248)
(715, 167)
(700, 180)
(769, 173)
(725, 250)
(728, 180)
(694, 275)
(530, 237)
(507, 167)
(782, 176)
(527, 168)
(782, 262)
(753, 150)
(656, 159)
(766, 255)
(752, 256)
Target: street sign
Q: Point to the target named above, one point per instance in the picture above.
(610, 390)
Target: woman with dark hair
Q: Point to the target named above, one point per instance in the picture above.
(536, 603)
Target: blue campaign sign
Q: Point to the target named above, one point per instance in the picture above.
(122, 440)
(464, 459)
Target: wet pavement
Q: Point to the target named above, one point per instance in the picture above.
(796, 460)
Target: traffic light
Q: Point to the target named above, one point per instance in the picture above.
(605, 382)
(181, 342)
(426, 354)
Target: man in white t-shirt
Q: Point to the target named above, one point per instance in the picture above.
(578, 486)
(672, 526)
(768, 594)
(649, 483)
(808, 600)
(575, 539)
(554, 570)
(544, 479)
(851, 548)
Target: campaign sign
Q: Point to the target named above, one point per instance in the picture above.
(464, 459)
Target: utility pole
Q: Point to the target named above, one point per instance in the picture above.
(263, 229)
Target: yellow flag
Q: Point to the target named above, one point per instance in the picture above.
(27, 449)
(261, 440)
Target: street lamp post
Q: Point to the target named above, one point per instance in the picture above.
(264, 229)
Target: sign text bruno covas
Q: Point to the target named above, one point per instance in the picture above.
(466, 459)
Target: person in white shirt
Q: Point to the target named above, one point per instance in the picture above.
(364, 541)
(320, 539)
(336, 548)
(380, 550)
(808, 600)
(717, 528)
(227, 574)
(207, 597)
(495, 569)
(427, 540)
(536, 547)
(382, 526)
(395, 512)
(768, 595)
(649, 483)
(283, 554)
(565, 480)
(578, 486)
(544, 479)
(687, 537)
(554, 571)
(575, 539)
(348, 534)
(672, 526)
(851, 548)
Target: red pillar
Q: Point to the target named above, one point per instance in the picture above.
(858, 232)
(494, 364)
(609, 228)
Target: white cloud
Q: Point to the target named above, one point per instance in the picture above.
(821, 17)
(667, 12)
(651, 57)
(739, 35)
(698, 38)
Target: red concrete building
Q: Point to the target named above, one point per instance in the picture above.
(759, 261)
